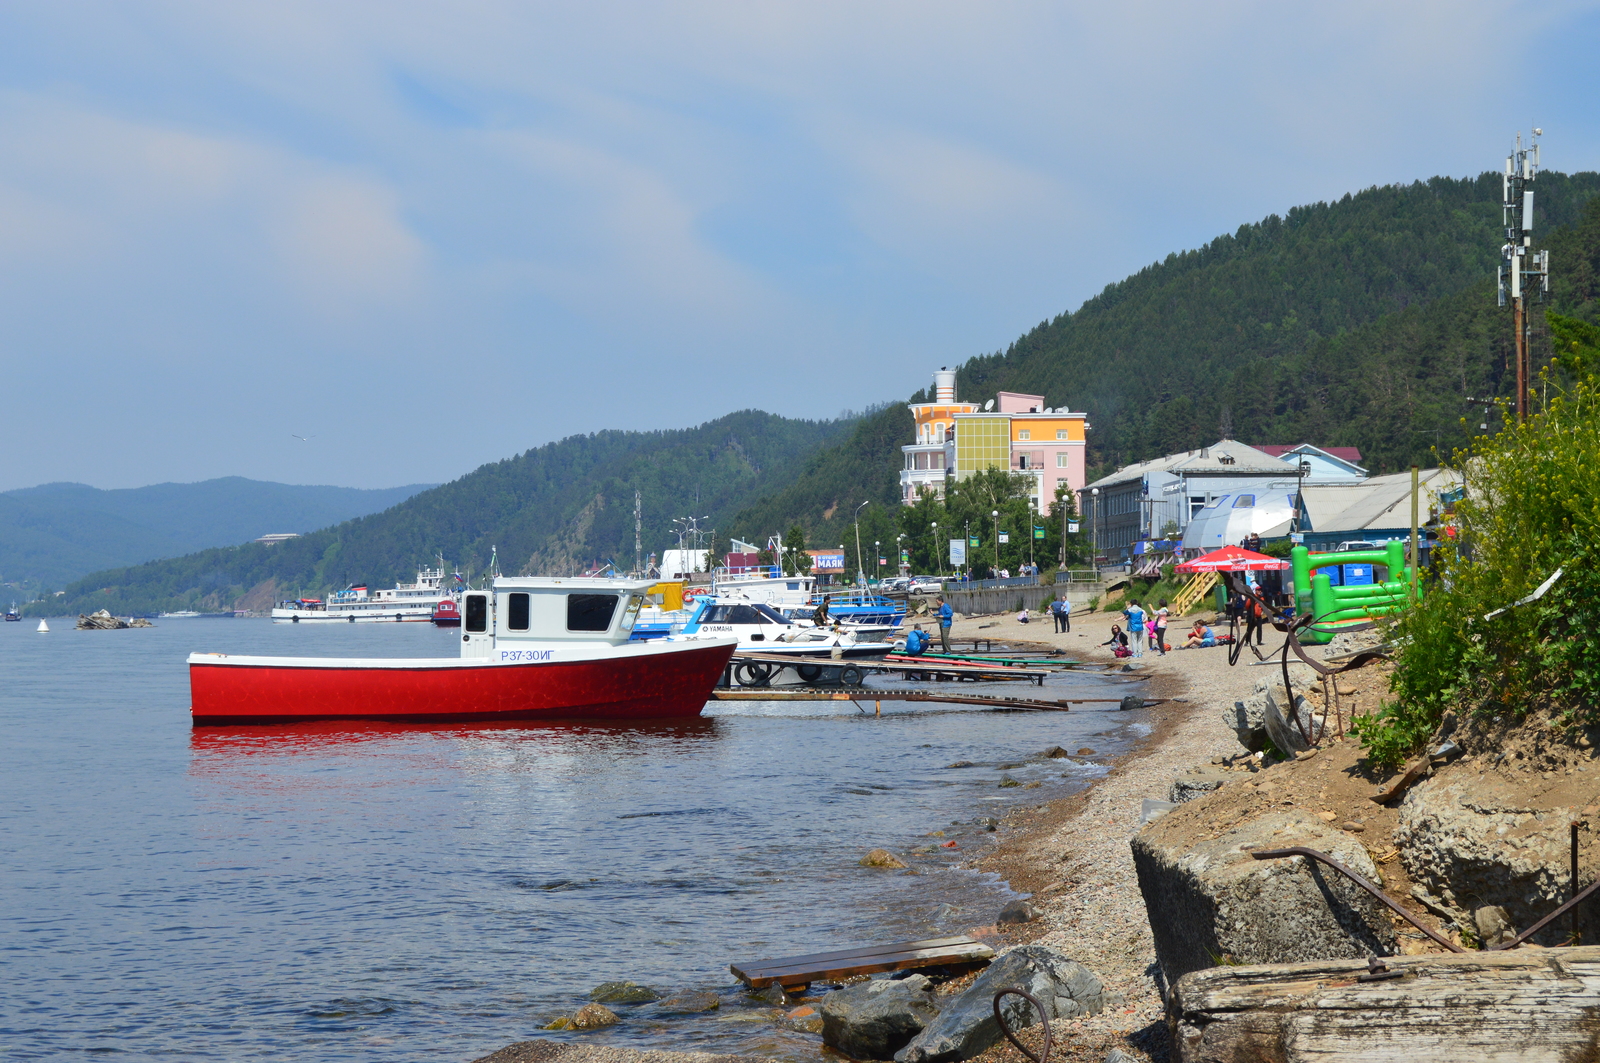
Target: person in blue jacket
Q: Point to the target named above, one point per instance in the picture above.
(946, 616)
(917, 641)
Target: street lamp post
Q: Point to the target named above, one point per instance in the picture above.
(902, 562)
(877, 556)
(968, 566)
(938, 558)
(996, 515)
(1094, 493)
(861, 575)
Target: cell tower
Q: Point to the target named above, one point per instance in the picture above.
(1523, 270)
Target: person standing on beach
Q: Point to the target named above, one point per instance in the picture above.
(1060, 610)
(1160, 633)
(1135, 617)
(946, 616)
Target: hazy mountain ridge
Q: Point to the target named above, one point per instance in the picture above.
(57, 532)
(550, 510)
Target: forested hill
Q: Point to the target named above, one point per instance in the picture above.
(548, 511)
(1365, 322)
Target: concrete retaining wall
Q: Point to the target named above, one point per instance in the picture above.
(1004, 599)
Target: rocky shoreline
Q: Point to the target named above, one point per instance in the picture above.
(1069, 857)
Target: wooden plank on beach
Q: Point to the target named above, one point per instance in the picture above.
(892, 694)
(1532, 1005)
(869, 959)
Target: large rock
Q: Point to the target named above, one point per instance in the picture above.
(1248, 717)
(688, 1002)
(966, 1025)
(1210, 902)
(623, 993)
(1486, 840)
(101, 621)
(882, 858)
(874, 1020)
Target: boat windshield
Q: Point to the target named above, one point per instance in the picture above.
(739, 614)
(772, 615)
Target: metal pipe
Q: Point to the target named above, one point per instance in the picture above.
(1362, 881)
(1044, 1018)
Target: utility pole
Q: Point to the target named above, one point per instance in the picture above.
(1522, 268)
(638, 534)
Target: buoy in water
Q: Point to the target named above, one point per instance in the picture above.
(43, 626)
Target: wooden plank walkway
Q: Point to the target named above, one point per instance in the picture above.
(880, 694)
(906, 667)
(795, 972)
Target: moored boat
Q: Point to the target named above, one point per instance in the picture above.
(414, 602)
(762, 629)
(12, 616)
(531, 648)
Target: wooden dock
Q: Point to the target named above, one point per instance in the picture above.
(882, 694)
(948, 671)
(795, 973)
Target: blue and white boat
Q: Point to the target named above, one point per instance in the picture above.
(762, 629)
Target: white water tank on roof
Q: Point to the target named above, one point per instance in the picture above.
(944, 385)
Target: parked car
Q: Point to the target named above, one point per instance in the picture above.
(926, 585)
(895, 583)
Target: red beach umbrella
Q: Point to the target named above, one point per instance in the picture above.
(1232, 559)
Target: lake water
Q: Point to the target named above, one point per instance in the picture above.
(339, 892)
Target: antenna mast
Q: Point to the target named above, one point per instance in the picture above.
(638, 535)
(1522, 270)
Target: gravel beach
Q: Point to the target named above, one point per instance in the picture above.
(1073, 856)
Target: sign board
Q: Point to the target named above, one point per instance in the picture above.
(905, 557)
(1005, 537)
(827, 560)
(1072, 527)
(883, 560)
(973, 541)
(1297, 537)
(1038, 533)
(958, 552)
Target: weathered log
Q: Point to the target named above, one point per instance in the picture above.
(1531, 1005)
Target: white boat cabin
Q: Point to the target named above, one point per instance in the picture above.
(524, 612)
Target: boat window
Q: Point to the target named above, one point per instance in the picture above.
(517, 611)
(635, 603)
(477, 612)
(590, 612)
(772, 615)
(1244, 502)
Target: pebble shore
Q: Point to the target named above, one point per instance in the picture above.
(1074, 857)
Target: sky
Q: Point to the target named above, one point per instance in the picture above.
(429, 236)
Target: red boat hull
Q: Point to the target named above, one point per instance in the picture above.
(620, 686)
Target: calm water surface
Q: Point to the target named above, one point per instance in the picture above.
(342, 892)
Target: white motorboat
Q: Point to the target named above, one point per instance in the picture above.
(760, 628)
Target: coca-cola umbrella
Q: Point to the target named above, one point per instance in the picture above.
(1232, 559)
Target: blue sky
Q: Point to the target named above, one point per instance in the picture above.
(434, 235)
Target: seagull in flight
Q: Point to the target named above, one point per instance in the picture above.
(304, 439)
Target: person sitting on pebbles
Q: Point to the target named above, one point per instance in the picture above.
(1118, 642)
(1199, 636)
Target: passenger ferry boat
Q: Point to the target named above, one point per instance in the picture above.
(356, 604)
(531, 648)
(12, 616)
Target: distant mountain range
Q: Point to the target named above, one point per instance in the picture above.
(551, 510)
(55, 533)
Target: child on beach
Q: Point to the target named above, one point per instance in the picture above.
(1136, 622)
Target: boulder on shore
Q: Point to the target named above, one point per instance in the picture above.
(966, 1025)
(688, 1002)
(1197, 782)
(101, 621)
(1488, 841)
(874, 1020)
(1210, 902)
